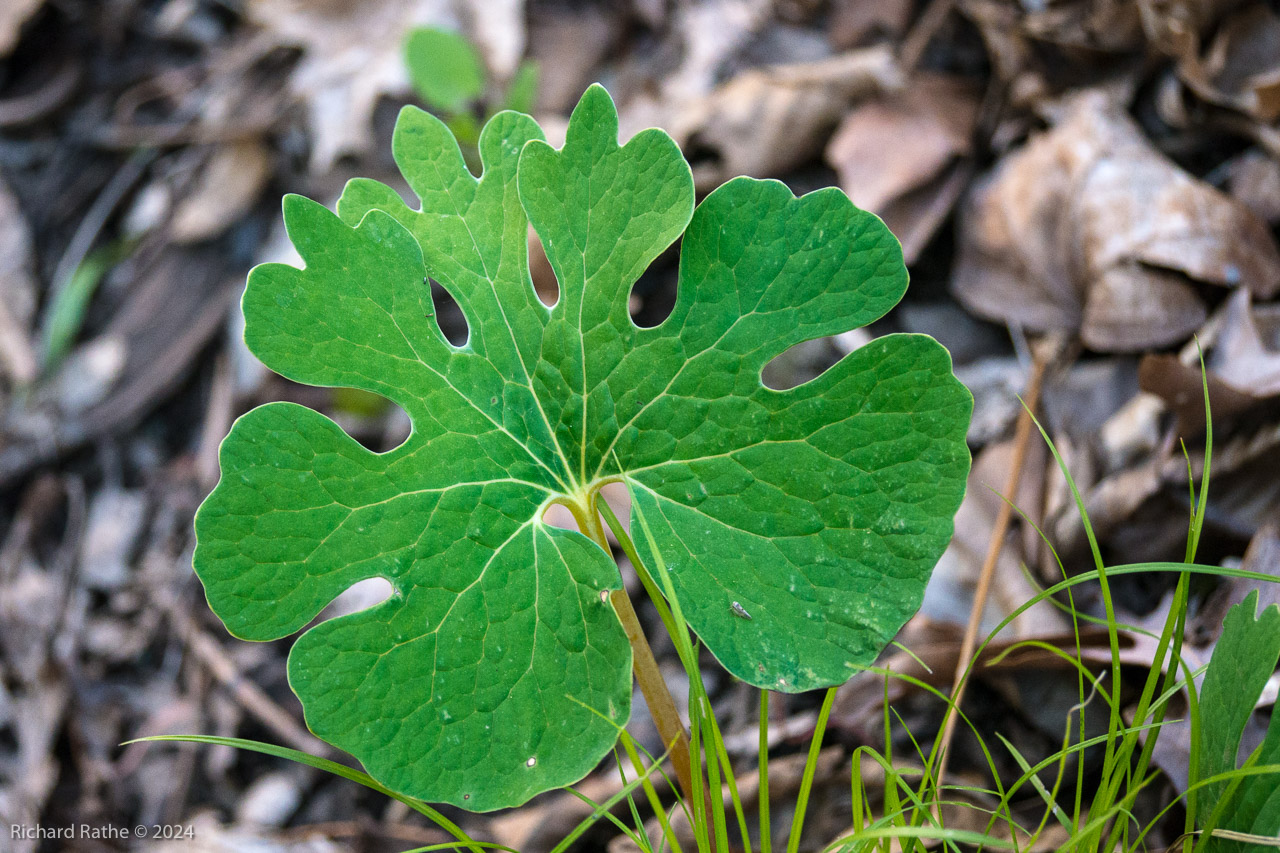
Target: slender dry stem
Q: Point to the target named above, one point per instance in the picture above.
(1021, 440)
(662, 707)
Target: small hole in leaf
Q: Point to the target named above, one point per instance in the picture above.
(654, 294)
(532, 761)
(558, 515)
(808, 360)
(361, 595)
(544, 278)
(374, 421)
(619, 501)
(452, 323)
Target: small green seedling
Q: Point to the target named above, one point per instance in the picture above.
(449, 76)
(1243, 661)
(798, 527)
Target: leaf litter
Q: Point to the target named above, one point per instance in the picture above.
(1092, 185)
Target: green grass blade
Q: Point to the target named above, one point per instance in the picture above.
(598, 812)
(324, 764)
(1114, 723)
(642, 838)
(726, 769)
(638, 837)
(762, 797)
(810, 768)
(659, 812)
(449, 845)
(642, 572)
(1050, 800)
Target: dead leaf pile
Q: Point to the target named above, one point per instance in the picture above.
(764, 123)
(1089, 229)
(908, 158)
(352, 55)
(1087, 193)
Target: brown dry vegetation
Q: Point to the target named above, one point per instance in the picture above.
(1083, 187)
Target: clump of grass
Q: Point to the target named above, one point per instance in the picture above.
(1093, 814)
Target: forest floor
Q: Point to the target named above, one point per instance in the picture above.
(1085, 190)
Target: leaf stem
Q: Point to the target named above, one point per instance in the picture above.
(662, 707)
(964, 660)
(642, 572)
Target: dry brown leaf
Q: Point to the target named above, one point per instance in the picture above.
(568, 44)
(1179, 387)
(1242, 357)
(224, 191)
(13, 14)
(712, 32)
(497, 26)
(1090, 228)
(1094, 25)
(889, 146)
(1262, 556)
(353, 55)
(898, 156)
(1132, 307)
(1177, 27)
(1046, 49)
(1133, 431)
(766, 121)
(856, 23)
(17, 291)
(949, 596)
(1254, 179)
(1132, 508)
(705, 37)
(1243, 63)
(1245, 490)
(1012, 55)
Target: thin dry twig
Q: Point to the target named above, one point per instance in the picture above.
(1022, 438)
(248, 695)
(55, 90)
(925, 28)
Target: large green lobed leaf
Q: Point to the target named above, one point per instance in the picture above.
(497, 669)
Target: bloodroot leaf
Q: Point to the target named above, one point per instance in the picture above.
(799, 526)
